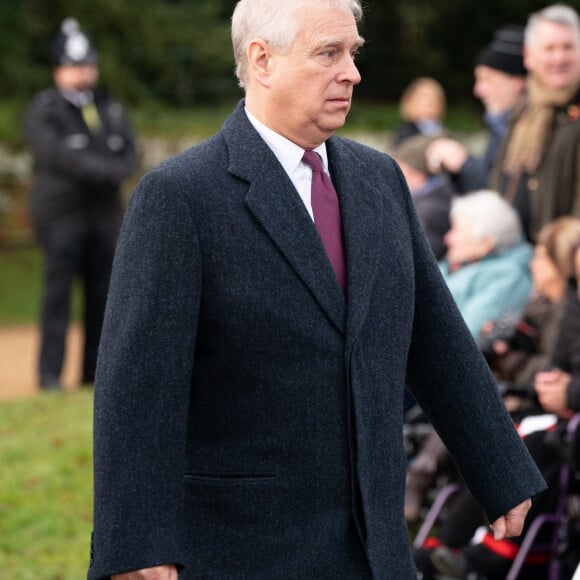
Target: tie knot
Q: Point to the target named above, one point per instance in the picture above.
(313, 160)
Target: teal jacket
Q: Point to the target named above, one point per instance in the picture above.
(498, 284)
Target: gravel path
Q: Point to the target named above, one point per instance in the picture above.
(18, 352)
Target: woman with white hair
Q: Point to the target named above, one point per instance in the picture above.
(486, 268)
(547, 336)
(487, 262)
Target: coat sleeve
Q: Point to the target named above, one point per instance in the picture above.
(142, 386)
(455, 388)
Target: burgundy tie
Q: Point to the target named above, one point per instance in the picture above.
(327, 215)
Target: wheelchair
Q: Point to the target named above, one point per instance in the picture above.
(552, 537)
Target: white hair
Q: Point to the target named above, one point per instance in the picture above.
(557, 14)
(490, 216)
(276, 22)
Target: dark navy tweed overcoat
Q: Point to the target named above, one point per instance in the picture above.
(248, 416)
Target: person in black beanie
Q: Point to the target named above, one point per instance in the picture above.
(83, 147)
(500, 78)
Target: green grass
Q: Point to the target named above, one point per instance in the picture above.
(46, 486)
(11, 113)
(203, 121)
(151, 119)
(20, 287)
(196, 121)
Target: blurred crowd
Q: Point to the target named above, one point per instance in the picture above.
(505, 227)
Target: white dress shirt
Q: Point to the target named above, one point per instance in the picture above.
(290, 157)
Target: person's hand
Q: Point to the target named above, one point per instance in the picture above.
(552, 390)
(511, 524)
(487, 327)
(446, 155)
(168, 572)
(500, 347)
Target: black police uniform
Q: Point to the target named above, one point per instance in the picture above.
(75, 208)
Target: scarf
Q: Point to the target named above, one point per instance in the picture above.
(531, 130)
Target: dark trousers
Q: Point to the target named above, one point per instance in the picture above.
(74, 246)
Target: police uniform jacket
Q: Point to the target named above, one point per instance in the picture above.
(77, 171)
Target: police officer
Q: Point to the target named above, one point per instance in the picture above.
(83, 148)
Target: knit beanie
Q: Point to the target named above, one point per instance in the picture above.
(505, 52)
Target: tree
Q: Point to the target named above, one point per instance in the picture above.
(179, 52)
(171, 50)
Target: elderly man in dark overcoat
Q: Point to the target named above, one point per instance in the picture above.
(272, 294)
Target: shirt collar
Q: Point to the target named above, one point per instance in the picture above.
(288, 153)
(79, 99)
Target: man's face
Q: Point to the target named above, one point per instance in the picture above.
(77, 77)
(498, 91)
(554, 56)
(425, 104)
(311, 85)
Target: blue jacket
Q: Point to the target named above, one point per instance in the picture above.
(498, 284)
(248, 417)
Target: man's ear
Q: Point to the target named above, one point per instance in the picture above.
(260, 60)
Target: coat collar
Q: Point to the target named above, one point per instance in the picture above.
(276, 205)
(362, 211)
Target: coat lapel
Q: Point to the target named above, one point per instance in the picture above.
(363, 225)
(276, 205)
